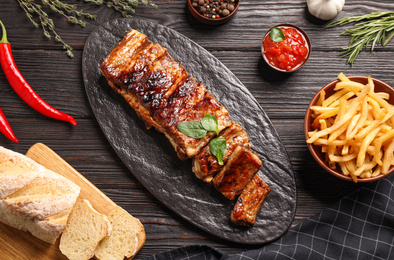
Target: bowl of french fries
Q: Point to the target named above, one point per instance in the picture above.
(349, 128)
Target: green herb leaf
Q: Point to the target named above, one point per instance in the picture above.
(192, 129)
(277, 35)
(368, 28)
(218, 148)
(210, 123)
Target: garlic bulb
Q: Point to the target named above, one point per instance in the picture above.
(325, 9)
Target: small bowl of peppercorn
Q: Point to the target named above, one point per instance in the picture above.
(213, 12)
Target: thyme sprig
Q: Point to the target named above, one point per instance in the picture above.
(72, 14)
(373, 28)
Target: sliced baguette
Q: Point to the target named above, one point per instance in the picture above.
(84, 230)
(33, 198)
(127, 238)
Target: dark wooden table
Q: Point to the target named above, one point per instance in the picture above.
(285, 98)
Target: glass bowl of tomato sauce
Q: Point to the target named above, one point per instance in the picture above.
(287, 51)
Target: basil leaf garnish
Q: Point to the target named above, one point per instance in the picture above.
(210, 123)
(277, 34)
(218, 148)
(192, 129)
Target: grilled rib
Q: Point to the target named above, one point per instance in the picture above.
(163, 95)
(237, 173)
(249, 202)
(205, 165)
(160, 90)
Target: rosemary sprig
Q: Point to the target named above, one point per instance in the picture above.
(373, 28)
(72, 14)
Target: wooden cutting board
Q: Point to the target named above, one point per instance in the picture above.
(16, 244)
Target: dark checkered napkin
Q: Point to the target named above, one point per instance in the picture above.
(359, 226)
(192, 252)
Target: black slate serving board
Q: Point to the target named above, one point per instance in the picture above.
(153, 161)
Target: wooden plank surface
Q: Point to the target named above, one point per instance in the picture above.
(285, 98)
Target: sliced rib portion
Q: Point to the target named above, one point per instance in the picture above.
(161, 91)
(249, 202)
(189, 102)
(205, 165)
(237, 173)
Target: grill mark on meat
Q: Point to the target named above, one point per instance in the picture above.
(205, 165)
(249, 203)
(147, 77)
(237, 173)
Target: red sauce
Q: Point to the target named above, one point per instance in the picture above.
(288, 54)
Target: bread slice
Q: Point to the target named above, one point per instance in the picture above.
(84, 230)
(33, 198)
(127, 238)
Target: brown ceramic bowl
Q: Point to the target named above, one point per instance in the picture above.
(315, 150)
(306, 39)
(211, 21)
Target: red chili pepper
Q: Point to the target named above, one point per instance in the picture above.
(22, 88)
(5, 128)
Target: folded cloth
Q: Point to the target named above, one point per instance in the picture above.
(359, 226)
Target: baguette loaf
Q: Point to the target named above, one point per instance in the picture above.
(33, 198)
(127, 238)
(84, 230)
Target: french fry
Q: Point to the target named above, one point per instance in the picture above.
(348, 115)
(345, 158)
(355, 129)
(364, 145)
(387, 136)
(376, 107)
(334, 135)
(383, 103)
(312, 132)
(350, 86)
(321, 98)
(388, 156)
(323, 125)
(359, 170)
(346, 97)
(352, 125)
(343, 168)
(361, 121)
(342, 77)
(377, 171)
(383, 95)
(386, 128)
(373, 125)
(377, 154)
(321, 110)
(334, 97)
(325, 115)
(345, 149)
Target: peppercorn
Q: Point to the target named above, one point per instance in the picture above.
(225, 12)
(214, 9)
